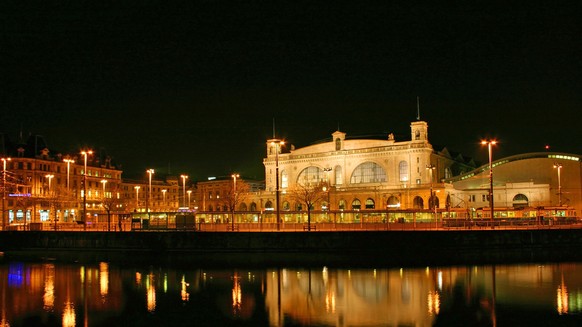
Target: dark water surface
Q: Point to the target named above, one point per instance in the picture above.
(56, 293)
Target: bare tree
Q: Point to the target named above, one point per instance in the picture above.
(308, 194)
(110, 204)
(236, 195)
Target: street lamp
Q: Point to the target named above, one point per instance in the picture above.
(189, 194)
(558, 166)
(431, 199)
(49, 177)
(164, 197)
(85, 154)
(69, 162)
(233, 198)
(490, 144)
(4, 160)
(103, 181)
(184, 177)
(136, 197)
(278, 143)
(149, 197)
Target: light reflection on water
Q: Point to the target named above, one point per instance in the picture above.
(62, 294)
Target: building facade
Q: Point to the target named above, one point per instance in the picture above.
(362, 174)
(39, 186)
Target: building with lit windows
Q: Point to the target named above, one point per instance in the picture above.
(41, 186)
(371, 180)
(363, 175)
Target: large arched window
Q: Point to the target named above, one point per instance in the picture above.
(418, 203)
(356, 204)
(403, 171)
(284, 179)
(242, 207)
(368, 172)
(286, 206)
(269, 205)
(339, 175)
(342, 204)
(392, 202)
(433, 202)
(520, 201)
(338, 144)
(253, 206)
(370, 204)
(310, 175)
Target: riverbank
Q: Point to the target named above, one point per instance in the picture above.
(382, 248)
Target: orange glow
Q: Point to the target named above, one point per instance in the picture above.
(562, 299)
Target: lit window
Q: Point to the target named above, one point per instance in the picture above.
(310, 175)
(403, 170)
(368, 172)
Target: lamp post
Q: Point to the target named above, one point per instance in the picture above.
(277, 143)
(184, 177)
(103, 181)
(50, 178)
(189, 195)
(149, 196)
(558, 166)
(431, 199)
(85, 154)
(69, 162)
(490, 144)
(4, 161)
(136, 197)
(233, 198)
(328, 188)
(164, 197)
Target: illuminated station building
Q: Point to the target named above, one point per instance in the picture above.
(370, 180)
(363, 181)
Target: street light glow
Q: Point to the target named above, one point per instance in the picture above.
(490, 144)
(184, 177)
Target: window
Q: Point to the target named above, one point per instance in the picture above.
(269, 205)
(342, 204)
(403, 171)
(392, 202)
(370, 204)
(310, 175)
(339, 176)
(368, 172)
(356, 204)
(520, 201)
(417, 135)
(286, 205)
(338, 144)
(284, 179)
(418, 203)
(253, 206)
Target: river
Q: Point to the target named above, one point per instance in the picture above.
(50, 292)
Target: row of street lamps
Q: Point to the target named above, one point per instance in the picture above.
(277, 143)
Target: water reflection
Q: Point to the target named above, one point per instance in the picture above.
(103, 294)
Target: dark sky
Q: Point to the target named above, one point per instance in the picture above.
(196, 85)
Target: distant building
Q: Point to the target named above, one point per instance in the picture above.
(40, 185)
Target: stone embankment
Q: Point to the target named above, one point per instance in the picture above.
(391, 248)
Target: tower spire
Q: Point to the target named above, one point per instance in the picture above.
(417, 108)
(273, 127)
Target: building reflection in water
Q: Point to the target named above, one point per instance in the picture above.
(431, 296)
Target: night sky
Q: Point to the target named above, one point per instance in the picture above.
(194, 86)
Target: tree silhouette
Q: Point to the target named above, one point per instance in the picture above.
(308, 194)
